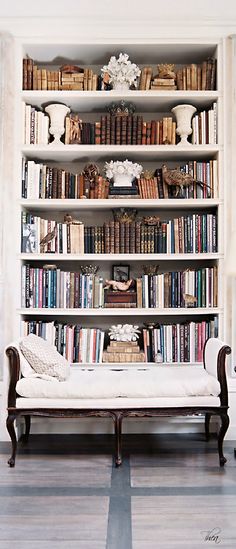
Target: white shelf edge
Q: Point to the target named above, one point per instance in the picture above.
(120, 148)
(128, 365)
(134, 311)
(116, 93)
(117, 257)
(85, 204)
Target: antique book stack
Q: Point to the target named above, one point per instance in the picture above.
(120, 299)
(145, 78)
(123, 351)
(197, 76)
(68, 77)
(120, 130)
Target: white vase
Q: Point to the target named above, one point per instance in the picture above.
(183, 114)
(122, 180)
(120, 86)
(57, 113)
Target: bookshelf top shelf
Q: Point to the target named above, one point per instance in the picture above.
(70, 153)
(104, 312)
(107, 204)
(145, 101)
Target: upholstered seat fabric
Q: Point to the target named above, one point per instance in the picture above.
(156, 382)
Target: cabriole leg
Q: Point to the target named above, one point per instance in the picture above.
(118, 435)
(11, 430)
(224, 426)
(27, 428)
(207, 425)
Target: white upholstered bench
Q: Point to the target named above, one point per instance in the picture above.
(181, 390)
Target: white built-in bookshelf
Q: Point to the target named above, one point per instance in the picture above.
(74, 157)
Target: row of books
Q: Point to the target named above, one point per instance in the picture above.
(201, 76)
(120, 130)
(179, 342)
(35, 126)
(197, 76)
(51, 287)
(204, 125)
(194, 288)
(67, 78)
(42, 181)
(193, 233)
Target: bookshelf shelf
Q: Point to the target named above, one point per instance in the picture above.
(95, 101)
(84, 153)
(107, 204)
(121, 312)
(118, 257)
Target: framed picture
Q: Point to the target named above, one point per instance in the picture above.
(120, 273)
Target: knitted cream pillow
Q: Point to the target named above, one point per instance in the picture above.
(44, 358)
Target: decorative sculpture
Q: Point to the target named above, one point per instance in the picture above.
(124, 332)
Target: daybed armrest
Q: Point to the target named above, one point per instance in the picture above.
(14, 368)
(214, 356)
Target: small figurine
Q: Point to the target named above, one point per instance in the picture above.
(189, 300)
(122, 286)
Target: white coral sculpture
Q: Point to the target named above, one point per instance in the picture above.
(122, 70)
(124, 332)
(125, 167)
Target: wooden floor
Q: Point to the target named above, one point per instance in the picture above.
(65, 493)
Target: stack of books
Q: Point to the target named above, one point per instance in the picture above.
(119, 351)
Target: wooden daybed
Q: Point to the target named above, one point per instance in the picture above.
(27, 398)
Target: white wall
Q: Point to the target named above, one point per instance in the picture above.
(122, 9)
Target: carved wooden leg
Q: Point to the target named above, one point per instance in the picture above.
(224, 426)
(11, 430)
(118, 435)
(27, 428)
(207, 425)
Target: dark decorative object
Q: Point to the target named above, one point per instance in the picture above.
(151, 220)
(91, 172)
(121, 109)
(121, 273)
(14, 413)
(124, 215)
(150, 269)
(89, 269)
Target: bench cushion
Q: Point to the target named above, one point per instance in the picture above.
(162, 381)
(111, 403)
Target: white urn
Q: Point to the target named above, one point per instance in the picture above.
(57, 113)
(120, 86)
(183, 114)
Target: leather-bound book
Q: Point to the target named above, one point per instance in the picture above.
(139, 130)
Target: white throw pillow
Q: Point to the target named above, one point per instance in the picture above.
(44, 358)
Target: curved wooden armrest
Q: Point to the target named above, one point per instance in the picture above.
(14, 367)
(221, 374)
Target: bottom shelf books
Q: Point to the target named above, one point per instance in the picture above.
(177, 342)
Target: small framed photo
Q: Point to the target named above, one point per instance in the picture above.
(120, 273)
